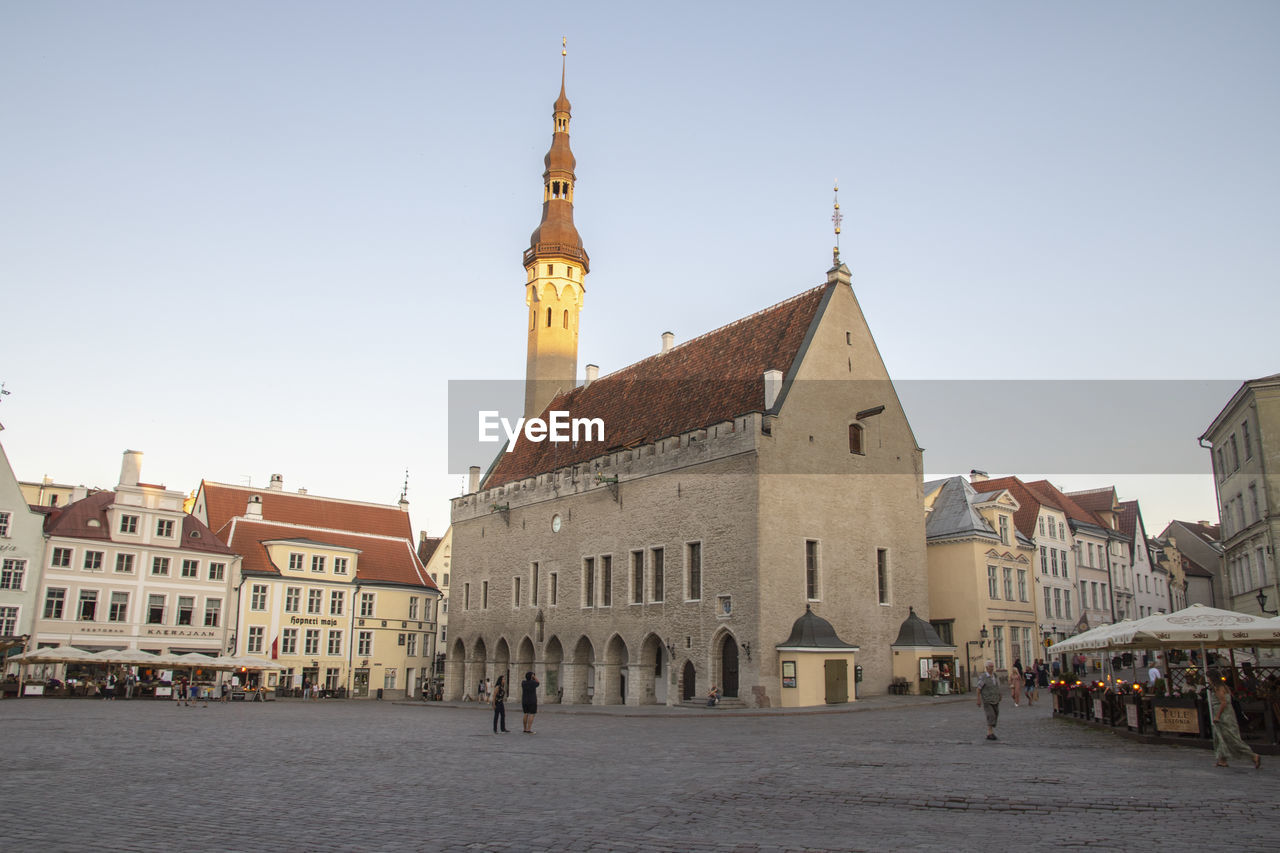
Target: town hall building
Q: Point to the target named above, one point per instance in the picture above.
(750, 476)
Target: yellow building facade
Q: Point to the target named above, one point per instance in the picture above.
(345, 612)
(980, 576)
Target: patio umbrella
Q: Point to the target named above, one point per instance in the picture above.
(129, 657)
(58, 654)
(1203, 626)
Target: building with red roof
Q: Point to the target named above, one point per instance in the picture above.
(129, 569)
(332, 590)
(741, 476)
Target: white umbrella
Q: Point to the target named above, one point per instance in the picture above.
(1200, 625)
(247, 662)
(58, 654)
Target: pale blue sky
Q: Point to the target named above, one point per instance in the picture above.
(251, 238)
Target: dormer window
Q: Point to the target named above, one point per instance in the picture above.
(1004, 529)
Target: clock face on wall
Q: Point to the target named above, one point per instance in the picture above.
(555, 523)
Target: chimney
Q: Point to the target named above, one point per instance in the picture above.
(277, 482)
(976, 476)
(131, 468)
(254, 509)
(772, 387)
(593, 373)
(668, 341)
(404, 504)
(302, 491)
(473, 479)
(79, 493)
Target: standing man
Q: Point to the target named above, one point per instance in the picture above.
(1153, 674)
(989, 698)
(529, 700)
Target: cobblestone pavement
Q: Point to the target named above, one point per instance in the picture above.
(899, 773)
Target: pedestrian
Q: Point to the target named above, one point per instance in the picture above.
(1042, 674)
(1016, 681)
(499, 706)
(713, 696)
(1029, 686)
(1227, 742)
(182, 691)
(529, 700)
(1153, 674)
(989, 698)
(480, 693)
(130, 682)
(226, 690)
(109, 692)
(488, 688)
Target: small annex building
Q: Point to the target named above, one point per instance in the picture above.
(816, 666)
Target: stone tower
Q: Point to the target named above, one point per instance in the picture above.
(555, 265)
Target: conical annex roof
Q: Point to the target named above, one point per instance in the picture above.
(917, 632)
(811, 631)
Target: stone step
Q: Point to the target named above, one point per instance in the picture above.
(726, 703)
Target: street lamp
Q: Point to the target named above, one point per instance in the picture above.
(968, 659)
(1262, 604)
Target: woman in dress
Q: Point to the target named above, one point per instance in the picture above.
(1227, 742)
(1016, 682)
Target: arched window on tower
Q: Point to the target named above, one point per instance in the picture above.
(533, 319)
(548, 318)
(566, 318)
(855, 439)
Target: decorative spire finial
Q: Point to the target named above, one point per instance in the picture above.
(837, 218)
(404, 493)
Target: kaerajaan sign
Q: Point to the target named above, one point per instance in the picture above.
(558, 428)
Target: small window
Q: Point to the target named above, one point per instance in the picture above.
(855, 439)
(811, 569)
(548, 318)
(566, 318)
(882, 575)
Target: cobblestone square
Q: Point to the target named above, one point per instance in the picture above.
(898, 773)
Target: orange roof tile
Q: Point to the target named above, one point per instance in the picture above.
(710, 379)
(382, 559)
(74, 521)
(1028, 504)
(224, 502)
(1051, 494)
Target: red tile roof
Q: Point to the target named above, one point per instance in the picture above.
(224, 502)
(1051, 494)
(382, 559)
(1127, 520)
(427, 546)
(1028, 504)
(1095, 500)
(74, 520)
(707, 380)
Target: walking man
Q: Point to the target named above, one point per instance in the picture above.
(989, 698)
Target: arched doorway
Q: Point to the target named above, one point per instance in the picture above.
(554, 681)
(729, 667)
(689, 681)
(654, 676)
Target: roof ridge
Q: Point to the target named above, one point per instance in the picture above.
(272, 491)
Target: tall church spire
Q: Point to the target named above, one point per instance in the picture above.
(555, 265)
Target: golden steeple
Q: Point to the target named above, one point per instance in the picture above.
(555, 266)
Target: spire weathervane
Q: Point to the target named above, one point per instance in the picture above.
(404, 493)
(836, 219)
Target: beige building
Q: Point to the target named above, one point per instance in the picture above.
(332, 590)
(436, 554)
(51, 494)
(981, 575)
(1244, 441)
(128, 569)
(742, 476)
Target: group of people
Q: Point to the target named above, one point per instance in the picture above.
(498, 697)
(1227, 742)
(1027, 681)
